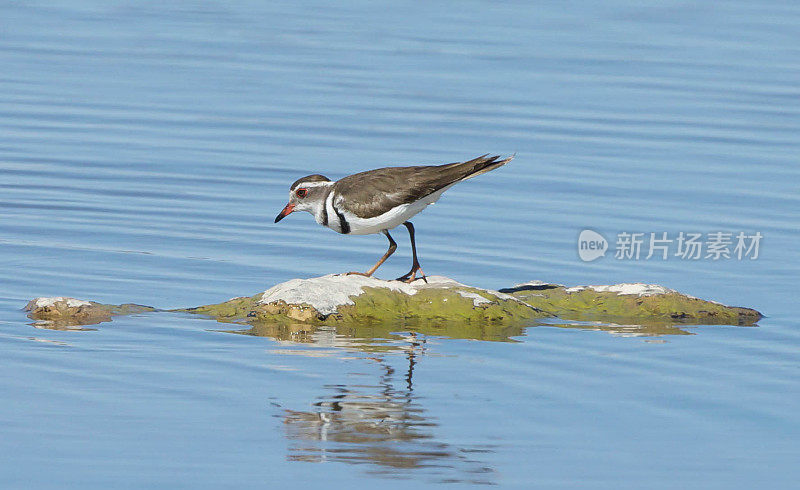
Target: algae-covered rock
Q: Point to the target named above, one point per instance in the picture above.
(358, 300)
(364, 307)
(642, 303)
(62, 313)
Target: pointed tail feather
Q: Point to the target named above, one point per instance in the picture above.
(478, 166)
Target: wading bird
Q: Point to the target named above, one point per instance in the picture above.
(378, 200)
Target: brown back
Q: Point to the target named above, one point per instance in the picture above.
(372, 193)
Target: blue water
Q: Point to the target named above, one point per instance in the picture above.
(146, 148)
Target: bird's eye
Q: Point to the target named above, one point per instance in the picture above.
(301, 193)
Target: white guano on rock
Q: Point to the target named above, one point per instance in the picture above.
(639, 289)
(45, 302)
(325, 294)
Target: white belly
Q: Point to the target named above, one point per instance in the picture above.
(391, 218)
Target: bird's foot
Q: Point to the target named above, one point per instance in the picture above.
(412, 275)
(353, 273)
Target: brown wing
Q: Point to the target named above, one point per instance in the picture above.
(372, 193)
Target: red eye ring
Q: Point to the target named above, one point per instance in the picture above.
(301, 193)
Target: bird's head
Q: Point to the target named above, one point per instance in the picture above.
(306, 194)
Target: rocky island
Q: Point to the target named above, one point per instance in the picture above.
(441, 305)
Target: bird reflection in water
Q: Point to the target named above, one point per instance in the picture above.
(382, 426)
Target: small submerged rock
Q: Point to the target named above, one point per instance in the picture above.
(61, 312)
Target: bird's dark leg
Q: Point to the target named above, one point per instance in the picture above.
(412, 274)
(392, 248)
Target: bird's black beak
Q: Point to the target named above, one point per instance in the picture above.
(286, 211)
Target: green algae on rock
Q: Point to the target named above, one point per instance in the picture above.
(61, 312)
(638, 303)
(359, 300)
(365, 307)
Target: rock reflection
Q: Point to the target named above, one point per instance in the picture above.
(382, 426)
(624, 329)
(632, 329)
(390, 337)
(65, 326)
(380, 336)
